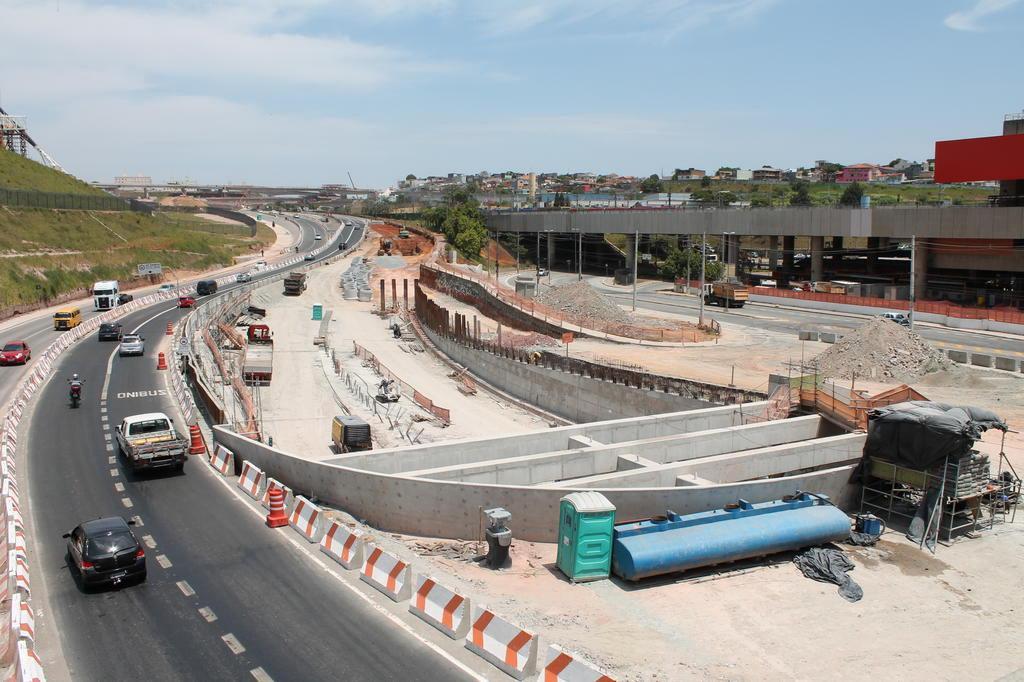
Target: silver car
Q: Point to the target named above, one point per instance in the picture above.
(243, 277)
(132, 344)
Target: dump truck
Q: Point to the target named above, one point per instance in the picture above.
(295, 283)
(727, 294)
(258, 362)
(149, 441)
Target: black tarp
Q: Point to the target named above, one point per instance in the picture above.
(920, 434)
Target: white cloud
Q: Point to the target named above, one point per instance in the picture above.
(83, 49)
(970, 19)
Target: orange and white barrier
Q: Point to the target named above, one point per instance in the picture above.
(344, 545)
(289, 495)
(387, 573)
(222, 460)
(28, 667)
(563, 666)
(306, 518)
(507, 646)
(445, 609)
(251, 480)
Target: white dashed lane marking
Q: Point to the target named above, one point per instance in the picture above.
(127, 502)
(166, 563)
(112, 460)
(114, 472)
(233, 643)
(149, 541)
(207, 613)
(138, 521)
(119, 487)
(185, 588)
(110, 447)
(261, 675)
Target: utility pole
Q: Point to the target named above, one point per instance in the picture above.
(496, 246)
(537, 285)
(579, 258)
(636, 268)
(913, 273)
(703, 258)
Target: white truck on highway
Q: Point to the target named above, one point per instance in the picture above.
(105, 295)
(149, 441)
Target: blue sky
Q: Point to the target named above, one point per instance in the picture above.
(306, 91)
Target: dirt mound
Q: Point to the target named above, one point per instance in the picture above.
(881, 349)
(582, 302)
(182, 200)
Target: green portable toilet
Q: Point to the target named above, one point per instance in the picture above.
(585, 536)
(318, 311)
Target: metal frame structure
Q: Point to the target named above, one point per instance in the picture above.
(902, 492)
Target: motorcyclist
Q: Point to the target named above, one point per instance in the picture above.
(75, 381)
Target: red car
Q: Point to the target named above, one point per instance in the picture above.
(186, 302)
(15, 353)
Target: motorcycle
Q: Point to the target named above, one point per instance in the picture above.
(75, 392)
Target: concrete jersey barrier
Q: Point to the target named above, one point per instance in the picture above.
(305, 518)
(562, 666)
(222, 460)
(343, 545)
(289, 495)
(508, 647)
(444, 608)
(388, 574)
(251, 480)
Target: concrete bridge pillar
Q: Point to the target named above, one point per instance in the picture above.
(872, 255)
(817, 259)
(550, 239)
(773, 252)
(920, 269)
(630, 251)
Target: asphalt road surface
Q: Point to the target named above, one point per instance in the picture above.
(225, 597)
(789, 320)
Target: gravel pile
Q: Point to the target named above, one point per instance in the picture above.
(389, 262)
(581, 301)
(881, 349)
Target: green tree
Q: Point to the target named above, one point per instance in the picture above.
(760, 201)
(852, 195)
(378, 208)
(459, 194)
(464, 228)
(801, 193)
(409, 177)
(675, 265)
(434, 217)
(705, 181)
(651, 184)
(710, 197)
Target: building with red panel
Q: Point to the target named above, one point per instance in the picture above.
(978, 159)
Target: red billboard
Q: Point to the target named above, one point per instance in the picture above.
(980, 158)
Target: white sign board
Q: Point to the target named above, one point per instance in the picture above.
(150, 269)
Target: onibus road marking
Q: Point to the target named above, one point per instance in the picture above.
(143, 393)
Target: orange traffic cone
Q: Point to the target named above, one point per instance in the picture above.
(197, 447)
(161, 361)
(170, 329)
(276, 518)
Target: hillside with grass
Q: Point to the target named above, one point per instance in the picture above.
(17, 172)
(48, 254)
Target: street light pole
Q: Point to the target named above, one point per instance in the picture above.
(636, 268)
(913, 273)
(703, 258)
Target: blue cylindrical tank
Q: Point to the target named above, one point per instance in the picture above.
(642, 549)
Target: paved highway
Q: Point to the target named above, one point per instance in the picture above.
(786, 320)
(225, 598)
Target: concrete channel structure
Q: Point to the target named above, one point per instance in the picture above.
(684, 461)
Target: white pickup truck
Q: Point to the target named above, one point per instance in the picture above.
(149, 441)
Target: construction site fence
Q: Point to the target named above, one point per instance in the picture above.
(931, 307)
(22, 198)
(460, 329)
(442, 413)
(548, 315)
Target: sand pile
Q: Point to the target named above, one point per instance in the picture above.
(182, 200)
(580, 301)
(881, 349)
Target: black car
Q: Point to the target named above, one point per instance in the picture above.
(106, 552)
(206, 287)
(124, 298)
(111, 331)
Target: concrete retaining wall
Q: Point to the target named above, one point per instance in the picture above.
(577, 398)
(452, 510)
(473, 450)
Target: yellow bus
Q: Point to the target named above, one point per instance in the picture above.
(67, 318)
